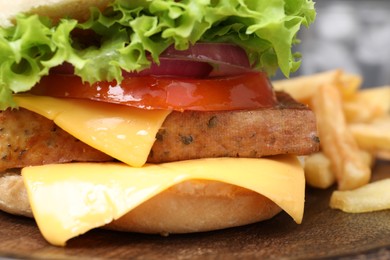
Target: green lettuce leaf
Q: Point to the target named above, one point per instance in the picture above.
(126, 32)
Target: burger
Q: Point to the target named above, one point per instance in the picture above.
(150, 116)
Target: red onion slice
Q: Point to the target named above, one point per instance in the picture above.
(220, 53)
(175, 68)
(226, 59)
(198, 61)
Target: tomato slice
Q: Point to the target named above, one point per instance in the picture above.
(248, 91)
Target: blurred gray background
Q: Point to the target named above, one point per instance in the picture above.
(350, 34)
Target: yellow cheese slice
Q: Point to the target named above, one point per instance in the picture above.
(125, 133)
(70, 199)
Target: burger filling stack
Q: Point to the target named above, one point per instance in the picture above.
(150, 116)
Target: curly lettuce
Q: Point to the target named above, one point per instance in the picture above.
(128, 31)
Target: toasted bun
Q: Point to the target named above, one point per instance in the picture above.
(54, 9)
(13, 195)
(195, 206)
(191, 206)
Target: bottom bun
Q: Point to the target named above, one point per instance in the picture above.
(191, 206)
(13, 195)
(196, 206)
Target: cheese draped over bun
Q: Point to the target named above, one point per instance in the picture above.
(191, 206)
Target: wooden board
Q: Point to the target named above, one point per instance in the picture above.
(324, 233)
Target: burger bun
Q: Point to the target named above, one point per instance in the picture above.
(190, 206)
(55, 9)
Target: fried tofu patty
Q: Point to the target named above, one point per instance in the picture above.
(288, 128)
(29, 139)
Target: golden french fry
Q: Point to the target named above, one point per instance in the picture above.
(318, 172)
(382, 155)
(371, 197)
(304, 87)
(367, 104)
(348, 84)
(367, 158)
(337, 142)
(374, 136)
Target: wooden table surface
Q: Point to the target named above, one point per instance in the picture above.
(324, 233)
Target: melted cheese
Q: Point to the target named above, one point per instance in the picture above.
(123, 132)
(68, 200)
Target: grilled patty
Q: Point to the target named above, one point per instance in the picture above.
(288, 128)
(28, 139)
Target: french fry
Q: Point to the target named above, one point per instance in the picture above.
(367, 105)
(304, 87)
(374, 136)
(337, 142)
(371, 197)
(318, 172)
(367, 157)
(382, 155)
(348, 84)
